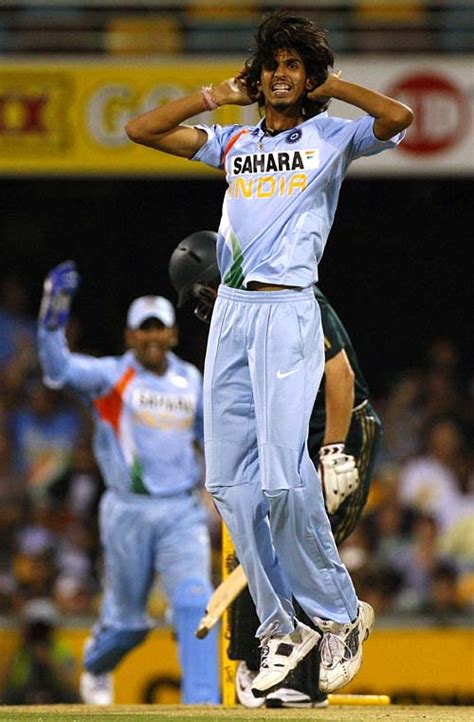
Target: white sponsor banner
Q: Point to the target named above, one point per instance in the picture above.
(440, 91)
(276, 161)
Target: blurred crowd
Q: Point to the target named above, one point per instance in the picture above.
(203, 27)
(49, 482)
(412, 553)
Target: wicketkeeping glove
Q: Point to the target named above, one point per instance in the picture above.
(339, 475)
(59, 288)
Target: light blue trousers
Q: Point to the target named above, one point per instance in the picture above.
(264, 363)
(142, 536)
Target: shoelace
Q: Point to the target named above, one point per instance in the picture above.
(269, 634)
(332, 649)
(333, 646)
(265, 643)
(263, 656)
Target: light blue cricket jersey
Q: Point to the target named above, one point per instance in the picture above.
(145, 424)
(282, 195)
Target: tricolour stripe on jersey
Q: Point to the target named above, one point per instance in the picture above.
(232, 142)
(235, 275)
(109, 407)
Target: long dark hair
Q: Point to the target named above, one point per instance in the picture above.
(282, 31)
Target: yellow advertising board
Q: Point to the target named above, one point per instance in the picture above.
(149, 673)
(68, 117)
(418, 665)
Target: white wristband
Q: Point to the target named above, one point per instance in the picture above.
(209, 97)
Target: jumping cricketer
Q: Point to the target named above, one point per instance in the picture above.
(265, 353)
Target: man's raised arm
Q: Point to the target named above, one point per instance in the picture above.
(163, 128)
(390, 116)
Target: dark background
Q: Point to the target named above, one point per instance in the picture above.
(396, 266)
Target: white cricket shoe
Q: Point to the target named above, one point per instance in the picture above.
(292, 698)
(341, 648)
(96, 688)
(243, 684)
(282, 654)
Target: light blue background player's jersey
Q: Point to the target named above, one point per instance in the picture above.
(282, 195)
(145, 424)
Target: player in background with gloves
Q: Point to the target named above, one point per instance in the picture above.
(344, 437)
(147, 408)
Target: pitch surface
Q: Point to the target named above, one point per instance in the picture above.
(180, 713)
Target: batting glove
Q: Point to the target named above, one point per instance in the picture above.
(59, 288)
(339, 475)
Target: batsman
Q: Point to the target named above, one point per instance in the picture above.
(345, 434)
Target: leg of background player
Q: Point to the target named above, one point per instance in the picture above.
(182, 557)
(129, 573)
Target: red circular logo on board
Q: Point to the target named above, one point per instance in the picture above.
(441, 112)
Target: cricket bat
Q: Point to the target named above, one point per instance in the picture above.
(222, 597)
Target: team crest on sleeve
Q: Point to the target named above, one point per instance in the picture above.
(294, 136)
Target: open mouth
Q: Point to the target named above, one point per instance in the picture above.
(281, 89)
